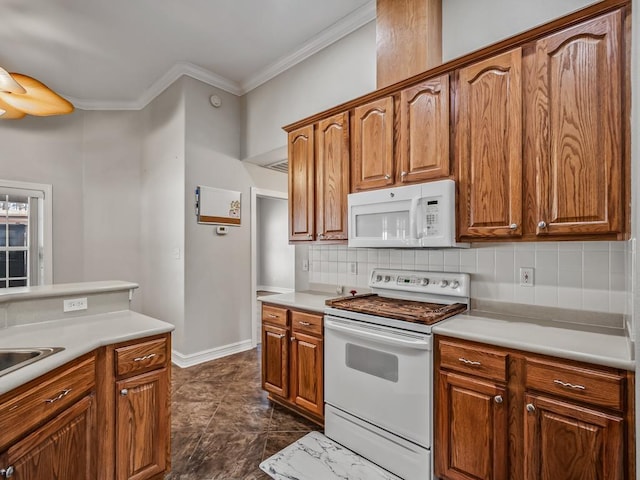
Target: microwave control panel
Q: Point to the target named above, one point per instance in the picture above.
(431, 218)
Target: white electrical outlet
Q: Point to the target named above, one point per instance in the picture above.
(73, 304)
(526, 277)
(353, 268)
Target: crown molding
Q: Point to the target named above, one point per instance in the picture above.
(159, 86)
(335, 32)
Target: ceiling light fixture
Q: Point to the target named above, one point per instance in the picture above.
(8, 83)
(21, 95)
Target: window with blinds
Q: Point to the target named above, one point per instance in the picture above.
(21, 237)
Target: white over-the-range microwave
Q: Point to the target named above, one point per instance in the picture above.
(413, 216)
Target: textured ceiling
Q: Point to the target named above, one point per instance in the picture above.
(105, 52)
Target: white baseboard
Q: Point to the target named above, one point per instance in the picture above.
(189, 360)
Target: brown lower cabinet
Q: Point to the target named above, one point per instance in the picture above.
(292, 360)
(102, 416)
(64, 448)
(508, 414)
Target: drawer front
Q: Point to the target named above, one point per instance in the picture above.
(306, 323)
(274, 315)
(473, 359)
(577, 383)
(141, 357)
(48, 396)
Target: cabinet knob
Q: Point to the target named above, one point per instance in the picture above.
(542, 224)
(387, 177)
(498, 398)
(531, 407)
(6, 473)
(309, 235)
(124, 392)
(403, 174)
(321, 235)
(513, 226)
(293, 339)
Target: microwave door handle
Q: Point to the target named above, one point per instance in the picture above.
(413, 217)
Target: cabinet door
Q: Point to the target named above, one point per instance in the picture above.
(332, 177)
(372, 165)
(275, 360)
(471, 429)
(142, 427)
(306, 372)
(424, 131)
(575, 125)
(63, 449)
(571, 442)
(301, 184)
(489, 147)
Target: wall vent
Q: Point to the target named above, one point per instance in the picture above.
(280, 166)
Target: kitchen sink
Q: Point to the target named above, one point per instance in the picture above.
(13, 358)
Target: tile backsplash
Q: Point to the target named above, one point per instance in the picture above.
(592, 276)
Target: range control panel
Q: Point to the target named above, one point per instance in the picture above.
(436, 283)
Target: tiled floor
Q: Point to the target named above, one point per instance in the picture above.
(223, 426)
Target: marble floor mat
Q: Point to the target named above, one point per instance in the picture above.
(316, 457)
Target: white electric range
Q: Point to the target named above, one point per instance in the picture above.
(379, 366)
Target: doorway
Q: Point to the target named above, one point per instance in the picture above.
(273, 265)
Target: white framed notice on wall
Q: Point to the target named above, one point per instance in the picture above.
(216, 206)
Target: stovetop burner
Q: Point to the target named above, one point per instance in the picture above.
(425, 313)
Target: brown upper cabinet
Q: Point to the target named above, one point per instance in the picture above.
(424, 131)
(332, 177)
(489, 147)
(534, 129)
(558, 172)
(372, 164)
(301, 184)
(421, 126)
(319, 180)
(574, 126)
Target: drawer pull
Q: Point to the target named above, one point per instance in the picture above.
(569, 385)
(272, 315)
(6, 473)
(469, 362)
(60, 396)
(146, 357)
(304, 324)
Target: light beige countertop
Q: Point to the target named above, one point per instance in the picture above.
(547, 335)
(63, 289)
(307, 300)
(597, 345)
(78, 335)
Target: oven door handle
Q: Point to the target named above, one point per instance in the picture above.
(419, 343)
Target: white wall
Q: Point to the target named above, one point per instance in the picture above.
(276, 257)
(48, 150)
(218, 268)
(340, 72)
(111, 150)
(92, 161)
(468, 25)
(162, 210)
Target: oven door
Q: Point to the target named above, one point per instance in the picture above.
(379, 374)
